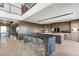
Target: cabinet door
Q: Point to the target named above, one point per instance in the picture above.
(58, 39)
(75, 36)
(67, 36)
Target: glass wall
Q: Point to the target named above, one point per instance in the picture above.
(3, 30)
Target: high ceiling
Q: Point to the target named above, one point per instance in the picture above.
(12, 11)
(44, 13)
(56, 12)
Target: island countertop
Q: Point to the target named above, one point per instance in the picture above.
(53, 33)
(59, 37)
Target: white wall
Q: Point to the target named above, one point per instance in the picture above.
(25, 27)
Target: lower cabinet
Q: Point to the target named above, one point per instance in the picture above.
(20, 36)
(75, 36)
(58, 39)
(67, 36)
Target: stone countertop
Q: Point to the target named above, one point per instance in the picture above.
(53, 33)
(60, 36)
(39, 35)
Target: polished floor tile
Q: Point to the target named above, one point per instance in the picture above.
(14, 47)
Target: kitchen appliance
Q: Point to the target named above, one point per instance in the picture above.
(56, 30)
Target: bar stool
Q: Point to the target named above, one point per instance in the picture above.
(33, 42)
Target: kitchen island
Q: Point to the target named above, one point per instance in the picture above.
(39, 39)
(59, 37)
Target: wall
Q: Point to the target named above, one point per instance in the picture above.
(47, 26)
(75, 24)
(25, 27)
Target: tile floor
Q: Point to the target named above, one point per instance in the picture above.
(10, 47)
(68, 48)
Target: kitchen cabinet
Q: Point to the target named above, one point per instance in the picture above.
(75, 31)
(67, 36)
(20, 36)
(58, 39)
(75, 36)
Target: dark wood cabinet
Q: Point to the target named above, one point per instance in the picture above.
(58, 39)
(20, 36)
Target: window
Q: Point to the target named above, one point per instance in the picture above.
(3, 29)
(17, 29)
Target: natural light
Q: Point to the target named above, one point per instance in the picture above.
(3, 29)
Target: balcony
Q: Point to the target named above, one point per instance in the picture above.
(16, 8)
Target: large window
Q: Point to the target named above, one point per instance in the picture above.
(3, 29)
(17, 29)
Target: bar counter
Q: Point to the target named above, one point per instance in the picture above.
(48, 40)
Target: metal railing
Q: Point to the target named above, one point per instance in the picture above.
(10, 8)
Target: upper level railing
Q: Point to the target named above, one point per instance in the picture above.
(7, 7)
(10, 8)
